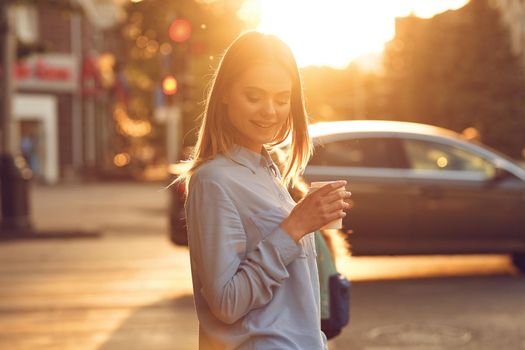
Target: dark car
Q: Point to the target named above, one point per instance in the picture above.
(416, 189)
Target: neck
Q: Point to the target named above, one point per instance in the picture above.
(257, 148)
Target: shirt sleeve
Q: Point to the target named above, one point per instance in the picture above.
(233, 281)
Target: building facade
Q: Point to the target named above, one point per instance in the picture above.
(60, 106)
(513, 15)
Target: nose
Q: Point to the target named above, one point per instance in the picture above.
(269, 107)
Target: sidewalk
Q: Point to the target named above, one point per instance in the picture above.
(130, 288)
(106, 207)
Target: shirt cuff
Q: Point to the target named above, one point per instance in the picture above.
(287, 248)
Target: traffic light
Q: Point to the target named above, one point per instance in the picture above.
(179, 30)
(169, 85)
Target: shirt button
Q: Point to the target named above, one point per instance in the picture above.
(281, 196)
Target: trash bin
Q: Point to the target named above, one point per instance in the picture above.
(15, 178)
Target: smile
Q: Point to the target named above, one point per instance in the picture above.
(263, 126)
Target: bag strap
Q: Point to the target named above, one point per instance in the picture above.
(325, 269)
(324, 257)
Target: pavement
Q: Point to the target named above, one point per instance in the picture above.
(126, 287)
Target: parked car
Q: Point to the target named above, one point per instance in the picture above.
(416, 189)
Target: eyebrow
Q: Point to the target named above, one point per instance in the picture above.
(262, 90)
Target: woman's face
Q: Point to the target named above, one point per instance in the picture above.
(258, 104)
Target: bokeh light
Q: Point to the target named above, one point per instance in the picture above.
(442, 162)
(169, 85)
(180, 30)
(121, 159)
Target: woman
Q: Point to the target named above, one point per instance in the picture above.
(252, 255)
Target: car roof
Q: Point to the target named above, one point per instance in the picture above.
(399, 127)
(342, 127)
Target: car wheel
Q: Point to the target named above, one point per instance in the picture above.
(518, 259)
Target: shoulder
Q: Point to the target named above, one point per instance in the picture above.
(218, 171)
(214, 169)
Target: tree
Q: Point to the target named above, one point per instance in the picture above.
(457, 70)
(149, 55)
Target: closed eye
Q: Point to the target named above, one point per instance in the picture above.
(253, 98)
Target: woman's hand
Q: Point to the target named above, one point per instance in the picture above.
(317, 209)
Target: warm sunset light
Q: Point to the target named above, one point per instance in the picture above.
(335, 32)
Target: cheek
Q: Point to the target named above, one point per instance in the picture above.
(284, 112)
(239, 109)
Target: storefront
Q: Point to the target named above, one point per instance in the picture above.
(46, 86)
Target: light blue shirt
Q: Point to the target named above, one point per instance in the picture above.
(254, 286)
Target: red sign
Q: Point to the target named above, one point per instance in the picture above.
(42, 71)
(56, 72)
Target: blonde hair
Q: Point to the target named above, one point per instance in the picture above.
(216, 133)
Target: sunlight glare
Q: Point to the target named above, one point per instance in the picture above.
(335, 32)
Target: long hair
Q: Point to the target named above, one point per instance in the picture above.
(216, 133)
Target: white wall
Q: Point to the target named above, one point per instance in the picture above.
(42, 108)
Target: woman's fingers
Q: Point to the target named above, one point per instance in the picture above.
(337, 196)
(333, 211)
(329, 216)
(337, 215)
(324, 190)
(339, 205)
(324, 205)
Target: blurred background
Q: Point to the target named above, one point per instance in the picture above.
(112, 89)
(99, 97)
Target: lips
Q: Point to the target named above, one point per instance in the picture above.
(265, 126)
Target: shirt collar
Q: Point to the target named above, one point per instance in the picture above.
(250, 159)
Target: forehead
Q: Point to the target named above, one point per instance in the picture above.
(269, 77)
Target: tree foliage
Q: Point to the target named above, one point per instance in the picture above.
(214, 25)
(457, 70)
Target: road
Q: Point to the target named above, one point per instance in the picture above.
(130, 288)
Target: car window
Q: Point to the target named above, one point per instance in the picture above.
(361, 152)
(424, 155)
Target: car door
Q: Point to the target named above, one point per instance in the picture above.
(456, 201)
(381, 210)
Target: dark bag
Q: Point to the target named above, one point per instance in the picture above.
(335, 291)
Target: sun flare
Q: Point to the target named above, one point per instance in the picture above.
(335, 32)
